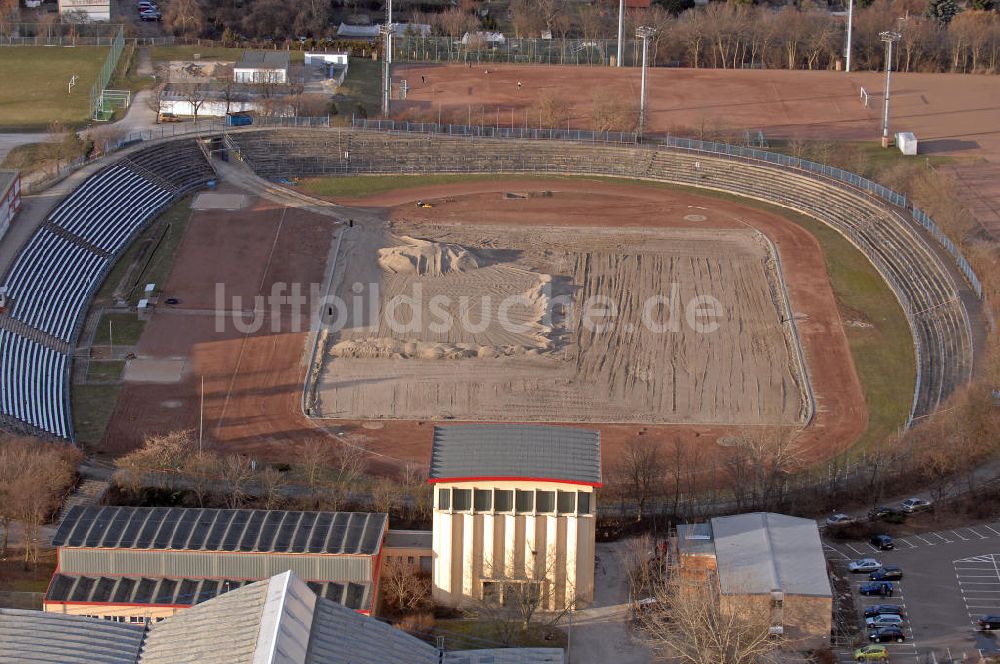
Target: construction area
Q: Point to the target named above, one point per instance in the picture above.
(501, 323)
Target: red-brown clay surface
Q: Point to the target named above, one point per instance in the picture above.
(253, 382)
(950, 113)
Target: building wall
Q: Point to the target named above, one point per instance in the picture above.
(261, 76)
(420, 559)
(94, 10)
(806, 620)
(119, 612)
(474, 545)
(10, 203)
(203, 564)
(210, 108)
(329, 58)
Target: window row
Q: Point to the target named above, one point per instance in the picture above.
(514, 500)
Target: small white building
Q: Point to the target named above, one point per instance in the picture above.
(514, 504)
(86, 11)
(262, 67)
(488, 38)
(339, 59)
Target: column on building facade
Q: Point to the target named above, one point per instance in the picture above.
(442, 552)
(572, 551)
(468, 554)
(552, 571)
(531, 552)
(489, 530)
(509, 543)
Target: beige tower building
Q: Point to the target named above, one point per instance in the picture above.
(513, 505)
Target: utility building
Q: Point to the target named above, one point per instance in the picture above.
(262, 67)
(762, 557)
(133, 563)
(514, 504)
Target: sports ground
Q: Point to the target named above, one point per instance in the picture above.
(35, 91)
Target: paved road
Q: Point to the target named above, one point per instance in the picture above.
(10, 141)
(951, 577)
(600, 633)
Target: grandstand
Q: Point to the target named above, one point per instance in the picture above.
(928, 293)
(50, 285)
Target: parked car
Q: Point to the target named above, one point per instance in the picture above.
(887, 573)
(146, 4)
(169, 117)
(881, 512)
(839, 520)
(883, 634)
(151, 16)
(911, 505)
(988, 622)
(883, 609)
(882, 542)
(886, 620)
(871, 654)
(864, 565)
(881, 588)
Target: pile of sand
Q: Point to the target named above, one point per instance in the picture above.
(421, 350)
(426, 258)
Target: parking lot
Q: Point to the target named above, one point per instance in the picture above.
(950, 578)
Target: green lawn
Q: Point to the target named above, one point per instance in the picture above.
(362, 89)
(105, 371)
(124, 330)
(167, 53)
(35, 78)
(92, 408)
(475, 634)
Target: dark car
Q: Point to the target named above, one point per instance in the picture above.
(883, 634)
(881, 588)
(881, 512)
(988, 622)
(887, 573)
(882, 542)
(883, 609)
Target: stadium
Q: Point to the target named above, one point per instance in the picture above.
(533, 214)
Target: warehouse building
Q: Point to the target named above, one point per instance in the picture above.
(272, 621)
(767, 558)
(133, 563)
(514, 504)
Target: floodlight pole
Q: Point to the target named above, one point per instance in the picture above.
(850, 25)
(386, 78)
(889, 38)
(643, 32)
(621, 32)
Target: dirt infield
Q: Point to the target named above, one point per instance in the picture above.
(253, 381)
(950, 113)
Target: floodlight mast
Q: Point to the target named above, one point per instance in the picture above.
(850, 25)
(643, 32)
(387, 31)
(621, 33)
(890, 38)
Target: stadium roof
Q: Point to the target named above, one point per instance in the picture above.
(261, 531)
(761, 552)
(32, 636)
(516, 451)
(263, 60)
(182, 592)
(273, 621)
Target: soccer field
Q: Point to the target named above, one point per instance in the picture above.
(35, 78)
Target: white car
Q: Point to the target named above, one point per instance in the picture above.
(884, 620)
(911, 505)
(864, 565)
(839, 520)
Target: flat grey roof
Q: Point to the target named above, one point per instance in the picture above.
(409, 539)
(263, 60)
(695, 538)
(34, 636)
(189, 529)
(183, 592)
(762, 551)
(513, 451)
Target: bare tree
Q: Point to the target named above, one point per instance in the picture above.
(184, 17)
(405, 589)
(315, 454)
(551, 109)
(237, 471)
(160, 461)
(272, 482)
(202, 470)
(195, 94)
(386, 495)
(350, 460)
(759, 463)
(640, 473)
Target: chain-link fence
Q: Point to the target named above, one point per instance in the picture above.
(476, 50)
(59, 34)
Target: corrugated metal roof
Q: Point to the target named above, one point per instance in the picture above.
(763, 551)
(182, 592)
(271, 531)
(34, 636)
(222, 630)
(516, 450)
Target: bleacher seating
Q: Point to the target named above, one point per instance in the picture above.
(50, 284)
(922, 283)
(32, 377)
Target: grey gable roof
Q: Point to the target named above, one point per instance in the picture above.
(516, 451)
(33, 636)
(763, 551)
(270, 531)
